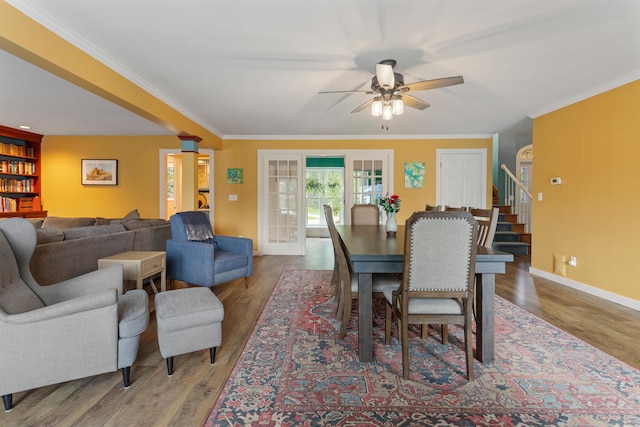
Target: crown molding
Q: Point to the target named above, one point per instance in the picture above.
(615, 83)
(54, 25)
(354, 137)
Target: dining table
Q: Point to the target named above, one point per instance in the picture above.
(369, 250)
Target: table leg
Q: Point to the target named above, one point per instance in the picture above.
(485, 313)
(365, 317)
(163, 281)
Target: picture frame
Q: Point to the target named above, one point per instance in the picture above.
(99, 172)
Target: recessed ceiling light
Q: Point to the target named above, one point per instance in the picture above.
(24, 127)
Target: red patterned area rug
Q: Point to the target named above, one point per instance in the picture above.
(294, 372)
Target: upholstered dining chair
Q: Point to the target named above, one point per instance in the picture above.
(365, 215)
(77, 328)
(438, 280)
(348, 282)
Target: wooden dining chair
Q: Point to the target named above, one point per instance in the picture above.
(365, 215)
(328, 215)
(433, 208)
(348, 284)
(438, 280)
(487, 223)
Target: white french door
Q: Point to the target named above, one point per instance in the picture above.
(280, 199)
(281, 192)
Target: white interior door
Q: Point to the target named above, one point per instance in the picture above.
(281, 223)
(461, 178)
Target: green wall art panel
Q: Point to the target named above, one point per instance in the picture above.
(414, 174)
(235, 176)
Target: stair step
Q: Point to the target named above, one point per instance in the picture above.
(504, 209)
(516, 248)
(504, 226)
(509, 217)
(506, 236)
(525, 238)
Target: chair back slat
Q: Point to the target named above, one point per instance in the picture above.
(487, 223)
(365, 215)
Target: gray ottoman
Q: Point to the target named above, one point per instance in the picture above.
(188, 320)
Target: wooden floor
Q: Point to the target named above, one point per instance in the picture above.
(185, 399)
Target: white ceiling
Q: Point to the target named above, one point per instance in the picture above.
(255, 67)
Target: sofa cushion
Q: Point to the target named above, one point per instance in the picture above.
(63, 223)
(136, 224)
(49, 235)
(96, 230)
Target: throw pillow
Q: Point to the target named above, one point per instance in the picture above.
(134, 214)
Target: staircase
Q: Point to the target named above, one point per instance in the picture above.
(510, 235)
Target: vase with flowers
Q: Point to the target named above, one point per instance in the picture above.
(391, 205)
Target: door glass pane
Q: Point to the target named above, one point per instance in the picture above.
(367, 181)
(282, 208)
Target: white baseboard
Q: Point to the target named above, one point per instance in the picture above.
(609, 296)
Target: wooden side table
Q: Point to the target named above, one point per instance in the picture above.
(140, 265)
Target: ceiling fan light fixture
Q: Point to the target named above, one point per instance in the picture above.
(376, 108)
(387, 112)
(397, 107)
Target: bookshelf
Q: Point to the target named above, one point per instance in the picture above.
(20, 174)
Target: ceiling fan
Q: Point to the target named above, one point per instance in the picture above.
(392, 93)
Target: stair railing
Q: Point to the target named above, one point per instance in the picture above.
(518, 197)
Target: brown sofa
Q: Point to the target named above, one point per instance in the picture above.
(69, 247)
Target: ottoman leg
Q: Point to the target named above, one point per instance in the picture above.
(212, 355)
(170, 365)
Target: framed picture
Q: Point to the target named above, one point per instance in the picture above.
(414, 174)
(99, 172)
(235, 176)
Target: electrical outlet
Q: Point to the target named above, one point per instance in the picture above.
(572, 261)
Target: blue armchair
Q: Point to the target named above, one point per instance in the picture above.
(198, 257)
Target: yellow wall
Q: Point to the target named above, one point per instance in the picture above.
(138, 175)
(594, 146)
(240, 217)
(138, 164)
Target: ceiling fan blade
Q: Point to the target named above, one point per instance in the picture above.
(368, 92)
(432, 84)
(384, 73)
(413, 102)
(363, 106)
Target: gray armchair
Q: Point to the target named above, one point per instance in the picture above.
(198, 257)
(77, 328)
